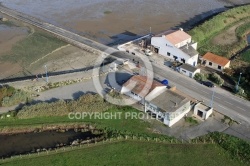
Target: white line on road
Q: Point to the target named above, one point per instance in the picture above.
(204, 91)
(240, 108)
(217, 97)
(221, 106)
(193, 86)
(228, 103)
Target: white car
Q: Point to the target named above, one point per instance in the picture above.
(148, 52)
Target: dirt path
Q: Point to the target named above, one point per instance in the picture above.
(58, 49)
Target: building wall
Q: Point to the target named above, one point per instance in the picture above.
(166, 47)
(173, 117)
(177, 118)
(183, 43)
(187, 73)
(215, 66)
(206, 114)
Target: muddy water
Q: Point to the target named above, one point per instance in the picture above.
(126, 19)
(26, 143)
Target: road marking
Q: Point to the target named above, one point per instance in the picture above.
(228, 103)
(221, 106)
(204, 91)
(217, 97)
(240, 108)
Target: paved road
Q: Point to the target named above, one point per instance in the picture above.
(225, 103)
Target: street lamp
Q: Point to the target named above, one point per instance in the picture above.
(212, 100)
(237, 86)
(46, 72)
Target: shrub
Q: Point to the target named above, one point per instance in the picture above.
(239, 91)
(216, 79)
(17, 97)
(200, 77)
(10, 96)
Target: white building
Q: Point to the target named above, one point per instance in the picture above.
(202, 111)
(176, 45)
(169, 106)
(215, 61)
(137, 88)
(189, 70)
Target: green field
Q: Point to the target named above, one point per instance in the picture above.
(123, 125)
(136, 153)
(204, 33)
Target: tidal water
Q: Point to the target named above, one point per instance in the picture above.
(114, 20)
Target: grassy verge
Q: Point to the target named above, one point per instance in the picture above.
(238, 148)
(206, 31)
(32, 48)
(136, 153)
(121, 124)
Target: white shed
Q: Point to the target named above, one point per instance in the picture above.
(202, 111)
(189, 70)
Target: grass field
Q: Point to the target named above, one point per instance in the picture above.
(121, 124)
(205, 32)
(33, 47)
(136, 153)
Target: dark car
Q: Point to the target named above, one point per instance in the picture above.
(208, 84)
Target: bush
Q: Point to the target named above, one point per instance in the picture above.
(10, 96)
(17, 97)
(200, 77)
(216, 79)
(240, 91)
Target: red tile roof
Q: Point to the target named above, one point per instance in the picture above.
(137, 83)
(216, 59)
(177, 37)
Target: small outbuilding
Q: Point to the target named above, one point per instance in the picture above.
(215, 61)
(189, 70)
(202, 111)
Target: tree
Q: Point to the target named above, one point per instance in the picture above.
(216, 79)
(200, 77)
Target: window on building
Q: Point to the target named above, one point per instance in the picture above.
(175, 57)
(168, 53)
(219, 67)
(183, 71)
(210, 63)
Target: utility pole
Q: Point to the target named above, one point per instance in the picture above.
(237, 86)
(46, 72)
(212, 100)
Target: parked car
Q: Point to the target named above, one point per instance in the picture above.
(207, 83)
(148, 52)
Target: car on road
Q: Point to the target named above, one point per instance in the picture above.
(207, 83)
(148, 52)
